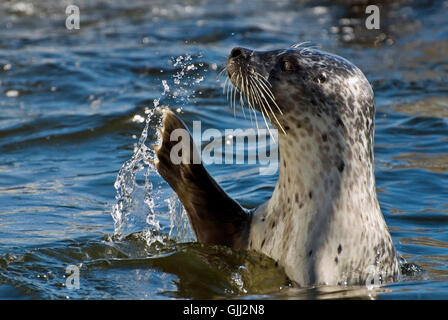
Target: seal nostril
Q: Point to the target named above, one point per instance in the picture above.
(236, 53)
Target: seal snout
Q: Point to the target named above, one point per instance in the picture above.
(238, 58)
(239, 52)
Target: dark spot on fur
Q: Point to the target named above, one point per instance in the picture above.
(273, 224)
(341, 166)
(336, 260)
(339, 249)
(262, 243)
(339, 122)
(310, 253)
(276, 264)
(310, 194)
(287, 128)
(297, 197)
(324, 137)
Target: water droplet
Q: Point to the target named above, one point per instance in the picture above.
(138, 118)
(12, 93)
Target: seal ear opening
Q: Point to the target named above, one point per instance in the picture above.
(214, 216)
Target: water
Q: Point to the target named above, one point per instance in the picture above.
(74, 105)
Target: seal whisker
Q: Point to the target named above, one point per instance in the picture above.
(232, 89)
(263, 78)
(234, 94)
(300, 44)
(262, 105)
(270, 96)
(242, 95)
(243, 80)
(265, 102)
(229, 88)
(229, 94)
(256, 96)
(268, 91)
(239, 92)
(246, 94)
(282, 52)
(256, 100)
(221, 72)
(234, 102)
(263, 110)
(249, 98)
(241, 99)
(225, 85)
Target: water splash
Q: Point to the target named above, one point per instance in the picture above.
(189, 75)
(136, 179)
(129, 212)
(180, 228)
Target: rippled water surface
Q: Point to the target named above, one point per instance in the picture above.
(73, 106)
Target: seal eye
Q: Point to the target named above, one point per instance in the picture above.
(287, 66)
(321, 78)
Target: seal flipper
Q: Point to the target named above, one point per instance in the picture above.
(214, 216)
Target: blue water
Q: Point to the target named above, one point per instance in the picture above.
(71, 104)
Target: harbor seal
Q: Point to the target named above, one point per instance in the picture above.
(323, 223)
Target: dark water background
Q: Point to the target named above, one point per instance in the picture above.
(70, 103)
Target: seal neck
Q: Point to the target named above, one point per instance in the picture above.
(324, 168)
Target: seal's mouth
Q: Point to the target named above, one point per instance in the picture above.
(251, 85)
